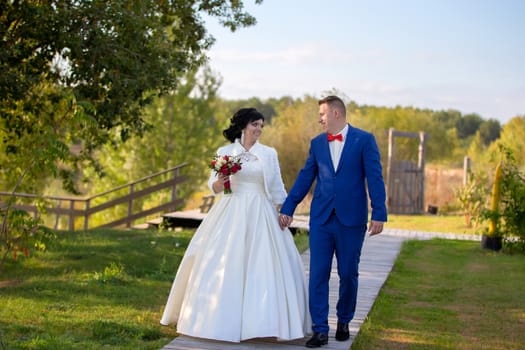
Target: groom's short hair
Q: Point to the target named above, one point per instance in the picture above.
(334, 102)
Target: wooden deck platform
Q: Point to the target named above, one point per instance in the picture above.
(193, 218)
(378, 256)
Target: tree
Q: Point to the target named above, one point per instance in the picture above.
(448, 118)
(489, 131)
(379, 119)
(266, 108)
(184, 130)
(468, 125)
(290, 133)
(477, 151)
(75, 74)
(76, 70)
(513, 138)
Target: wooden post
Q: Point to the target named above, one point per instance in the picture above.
(130, 206)
(86, 215)
(72, 215)
(174, 188)
(57, 216)
(421, 168)
(466, 168)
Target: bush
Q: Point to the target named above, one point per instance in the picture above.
(513, 201)
(506, 217)
(472, 197)
(510, 211)
(19, 233)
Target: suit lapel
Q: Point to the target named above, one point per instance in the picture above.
(346, 147)
(325, 153)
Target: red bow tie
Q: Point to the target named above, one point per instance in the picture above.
(335, 137)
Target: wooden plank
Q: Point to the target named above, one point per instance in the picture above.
(193, 218)
(186, 218)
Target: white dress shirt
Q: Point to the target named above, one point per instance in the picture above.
(336, 147)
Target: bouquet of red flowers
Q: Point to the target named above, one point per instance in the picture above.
(226, 165)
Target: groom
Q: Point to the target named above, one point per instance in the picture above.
(345, 163)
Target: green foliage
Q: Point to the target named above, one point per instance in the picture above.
(495, 197)
(75, 75)
(20, 233)
(114, 273)
(36, 135)
(267, 108)
(72, 72)
(468, 125)
(512, 138)
(184, 130)
(472, 197)
(448, 118)
(513, 198)
(477, 152)
(507, 215)
(489, 131)
(290, 133)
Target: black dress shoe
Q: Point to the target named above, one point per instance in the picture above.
(317, 340)
(342, 332)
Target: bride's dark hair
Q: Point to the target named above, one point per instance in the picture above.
(240, 119)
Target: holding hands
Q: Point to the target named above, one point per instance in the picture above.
(284, 221)
(375, 227)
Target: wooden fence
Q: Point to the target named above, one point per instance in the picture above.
(74, 208)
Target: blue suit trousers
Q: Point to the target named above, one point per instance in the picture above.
(327, 239)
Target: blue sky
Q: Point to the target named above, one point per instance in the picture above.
(467, 55)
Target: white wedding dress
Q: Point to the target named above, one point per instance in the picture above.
(241, 276)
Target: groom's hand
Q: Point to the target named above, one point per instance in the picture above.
(284, 221)
(375, 227)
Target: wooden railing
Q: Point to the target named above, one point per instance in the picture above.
(85, 208)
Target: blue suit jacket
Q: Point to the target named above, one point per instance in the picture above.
(344, 189)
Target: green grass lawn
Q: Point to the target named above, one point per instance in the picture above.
(430, 223)
(107, 289)
(91, 290)
(448, 294)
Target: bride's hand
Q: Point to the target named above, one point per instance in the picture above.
(218, 186)
(284, 221)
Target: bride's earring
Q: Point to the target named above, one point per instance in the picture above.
(242, 137)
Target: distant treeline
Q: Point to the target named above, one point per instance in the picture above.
(189, 129)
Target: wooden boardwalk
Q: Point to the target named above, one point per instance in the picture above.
(377, 258)
(193, 218)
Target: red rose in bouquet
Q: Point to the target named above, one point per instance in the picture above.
(226, 165)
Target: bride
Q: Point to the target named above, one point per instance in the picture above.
(242, 276)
